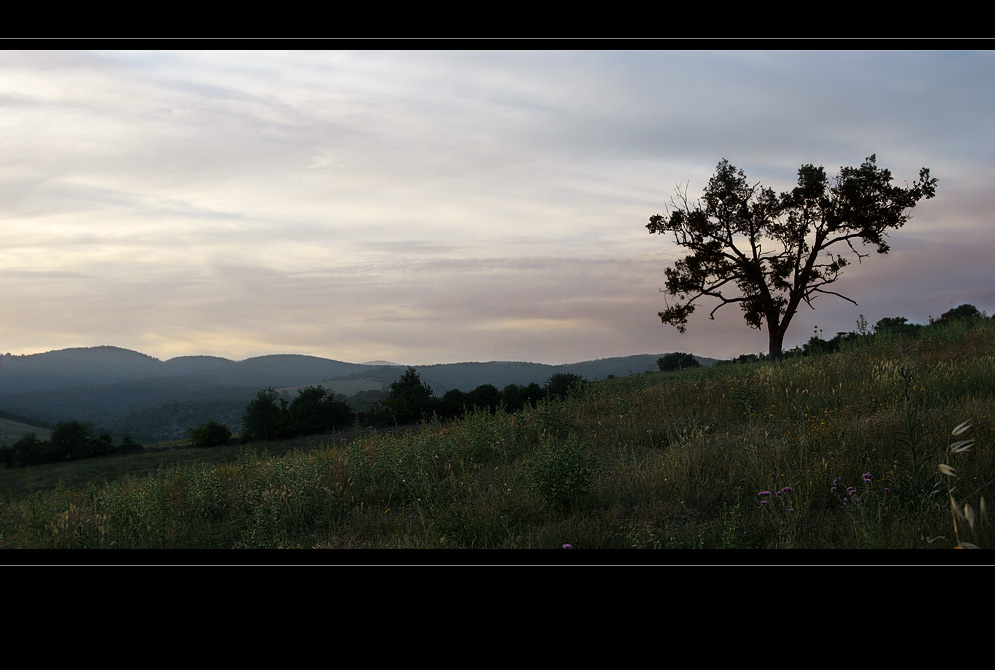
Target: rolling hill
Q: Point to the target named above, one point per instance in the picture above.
(125, 391)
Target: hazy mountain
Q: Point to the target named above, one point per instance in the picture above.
(67, 367)
(126, 391)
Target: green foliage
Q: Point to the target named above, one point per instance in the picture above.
(26, 451)
(266, 417)
(410, 400)
(210, 434)
(561, 471)
(777, 251)
(315, 410)
(677, 361)
(961, 312)
(561, 384)
(485, 396)
(832, 442)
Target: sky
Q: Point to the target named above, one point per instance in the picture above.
(429, 207)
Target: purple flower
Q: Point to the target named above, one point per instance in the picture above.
(867, 477)
(568, 546)
(764, 493)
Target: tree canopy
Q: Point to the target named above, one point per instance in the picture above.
(771, 252)
(677, 360)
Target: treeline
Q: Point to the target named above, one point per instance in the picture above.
(410, 400)
(316, 410)
(70, 440)
(888, 327)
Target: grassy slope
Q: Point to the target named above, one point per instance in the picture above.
(12, 431)
(734, 456)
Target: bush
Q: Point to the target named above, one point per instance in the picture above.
(561, 471)
(266, 417)
(562, 383)
(677, 361)
(315, 410)
(210, 434)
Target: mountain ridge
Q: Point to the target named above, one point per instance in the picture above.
(111, 386)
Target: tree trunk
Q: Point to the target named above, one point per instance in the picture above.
(776, 341)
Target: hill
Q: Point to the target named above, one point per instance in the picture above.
(123, 391)
(856, 449)
(11, 431)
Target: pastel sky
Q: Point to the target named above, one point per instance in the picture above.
(443, 206)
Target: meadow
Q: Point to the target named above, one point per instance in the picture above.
(885, 444)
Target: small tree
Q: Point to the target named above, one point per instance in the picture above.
(210, 434)
(961, 312)
(69, 440)
(777, 251)
(410, 400)
(562, 383)
(266, 416)
(485, 396)
(895, 325)
(677, 361)
(315, 410)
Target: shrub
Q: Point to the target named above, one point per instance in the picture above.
(560, 472)
(677, 361)
(210, 434)
(562, 383)
(266, 417)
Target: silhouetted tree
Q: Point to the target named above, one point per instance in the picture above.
(777, 251)
(453, 403)
(961, 312)
(562, 383)
(897, 325)
(26, 451)
(210, 434)
(315, 410)
(410, 400)
(266, 416)
(677, 360)
(68, 441)
(513, 397)
(485, 396)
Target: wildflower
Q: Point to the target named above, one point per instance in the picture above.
(764, 493)
(568, 546)
(867, 477)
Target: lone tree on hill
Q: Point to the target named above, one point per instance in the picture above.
(775, 249)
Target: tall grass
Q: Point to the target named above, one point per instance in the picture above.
(840, 451)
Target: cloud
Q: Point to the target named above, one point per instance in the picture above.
(436, 206)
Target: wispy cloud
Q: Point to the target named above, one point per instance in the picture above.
(436, 206)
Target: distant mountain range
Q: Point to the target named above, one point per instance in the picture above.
(125, 391)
